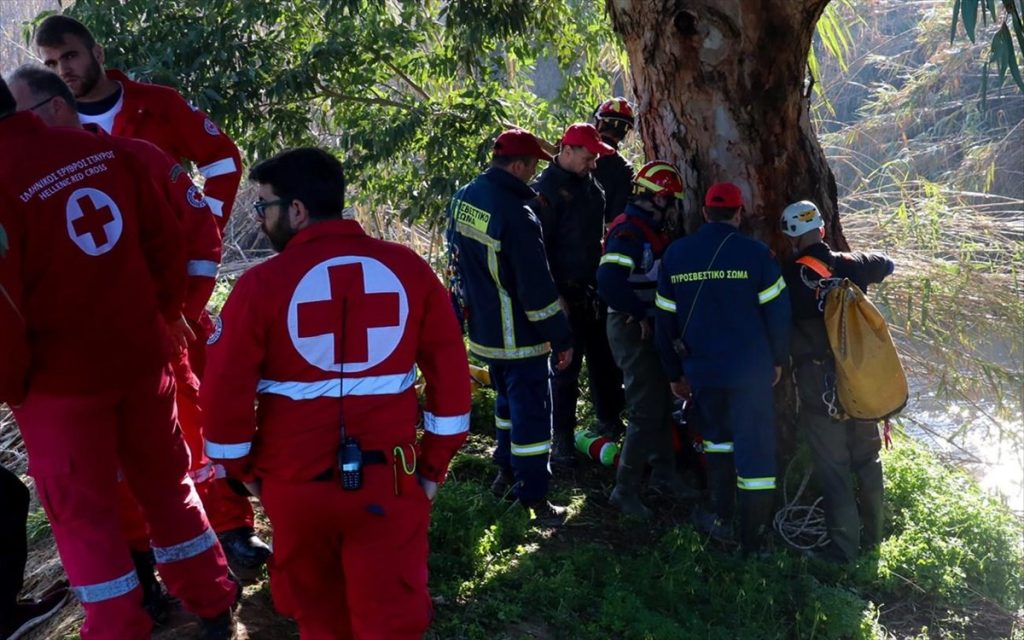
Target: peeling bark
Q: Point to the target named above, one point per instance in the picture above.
(720, 87)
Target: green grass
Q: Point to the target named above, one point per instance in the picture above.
(952, 555)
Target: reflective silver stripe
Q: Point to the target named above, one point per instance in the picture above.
(510, 354)
(445, 425)
(535, 449)
(619, 259)
(755, 484)
(502, 423)
(478, 235)
(107, 590)
(218, 168)
(665, 304)
(206, 268)
(772, 292)
(545, 313)
(717, 447)
(365, 386)
(216, 206)
(227, 451)
(185, 550)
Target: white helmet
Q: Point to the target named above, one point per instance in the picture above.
(799, 218)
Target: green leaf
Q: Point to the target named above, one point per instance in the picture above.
(969, 11)
(956, 17)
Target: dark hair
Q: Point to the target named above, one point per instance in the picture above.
(52, 32)
(506, 161)
(7, 103)
(43, 83)
(721, 214)
(308, 174)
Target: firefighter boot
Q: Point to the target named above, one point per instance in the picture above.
(626, 494)
(245, 552)
(665, 479)
(756, 510)
(155, 599)
(503, 483)
(722, 484)
(563, 449)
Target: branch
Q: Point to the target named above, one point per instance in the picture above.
(406, 79)
(365, 100)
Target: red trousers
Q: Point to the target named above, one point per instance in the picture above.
(77, 447)
(225, 509)
(351, 565)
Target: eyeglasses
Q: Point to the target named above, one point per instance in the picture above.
(39, 104)
(260, 206)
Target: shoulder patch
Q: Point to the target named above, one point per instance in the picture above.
(218, 329)
(195, 197)
(210, 127)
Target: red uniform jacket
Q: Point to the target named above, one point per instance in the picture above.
(160, 115)
(334, 295)
(202, 235)
(93, 258)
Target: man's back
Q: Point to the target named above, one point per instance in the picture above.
(98, 256)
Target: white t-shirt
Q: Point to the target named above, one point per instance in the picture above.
(104, 120)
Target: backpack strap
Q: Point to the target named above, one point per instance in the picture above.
(657, 241)
(815, 265)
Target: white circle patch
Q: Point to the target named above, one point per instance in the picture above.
(210, 127)
(94, 221)
(350, 309)
(218, 329)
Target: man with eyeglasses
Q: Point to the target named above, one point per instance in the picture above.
(160, 115)
(92, 270)
(310, 400)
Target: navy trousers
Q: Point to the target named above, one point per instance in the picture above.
(522, 413)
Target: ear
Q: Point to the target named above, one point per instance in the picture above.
(298, 214)
(99, 54)
(704, 211)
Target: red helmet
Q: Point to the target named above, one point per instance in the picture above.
(661, 178)
(616, 109)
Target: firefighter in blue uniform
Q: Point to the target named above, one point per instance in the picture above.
(723, 328)
(627, 278)
(513, 312)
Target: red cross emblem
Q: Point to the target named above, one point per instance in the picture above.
(349, 310)
(94, 221)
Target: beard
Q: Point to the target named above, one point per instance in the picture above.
(280, 233)
(90, 78)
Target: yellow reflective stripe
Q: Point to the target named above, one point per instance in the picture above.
(535, 449)
(717, 447)
(510, 354)
(479, 236)
(665, 304)
(545, 313)
(772, 292)
(619, 259)
(654, 186)
(755, 484)
(508, 331)
(502, 423)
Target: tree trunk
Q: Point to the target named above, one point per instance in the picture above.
(722, 93)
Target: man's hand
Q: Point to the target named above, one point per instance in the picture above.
(181, 333)
(429, 487)
(681, 389)
(778, 376)
(564, 360)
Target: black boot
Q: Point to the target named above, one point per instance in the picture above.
(245, 552)
(222, 627)
(502, 485)
(155, 599)
(756, 510)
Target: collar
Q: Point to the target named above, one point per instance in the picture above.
(506, 180)
(633, 211)
(328, 228)
(817, 250)
(717, 228)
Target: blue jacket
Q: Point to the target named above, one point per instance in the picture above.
(628, 274)
(740, 323)
(513, 310)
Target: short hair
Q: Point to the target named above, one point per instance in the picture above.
(43, 83)
(308, 174)
(7, 103)
(506, 161)
(721, 214)
(52, 32)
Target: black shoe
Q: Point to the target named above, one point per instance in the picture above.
(502, 485)
(709, 524)
(563, 451)
(28, 615)
(245, 552)
(544, 514)
(221, 627)
(613, 430)
(155, 599)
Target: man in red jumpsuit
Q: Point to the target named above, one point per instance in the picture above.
(45, 94)
(327, 337)
(160, 115)
(92, 265)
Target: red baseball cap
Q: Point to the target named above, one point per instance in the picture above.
(583, 134)
(724, 195)
(518, 142)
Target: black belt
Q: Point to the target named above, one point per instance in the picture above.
(369, 457)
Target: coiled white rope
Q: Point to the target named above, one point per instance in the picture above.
(801, 526)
